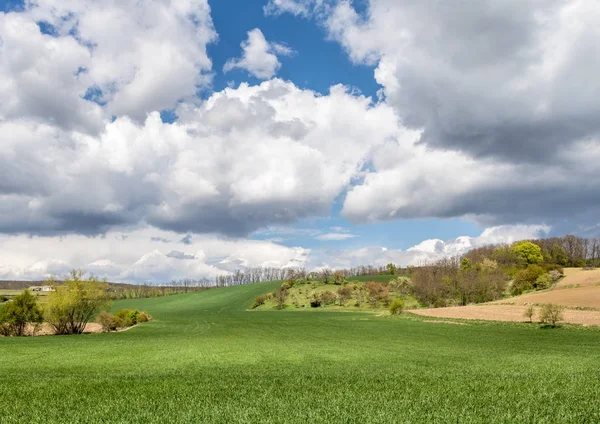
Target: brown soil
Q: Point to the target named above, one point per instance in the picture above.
(586, 297)
(580, 278)
(47, 330)
(505, 313)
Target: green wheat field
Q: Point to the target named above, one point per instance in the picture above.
(207, 358)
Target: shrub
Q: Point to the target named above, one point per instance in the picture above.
(397, 307)
(377, 292)
(259, 300)
(107, 321)
(3, 299)
(144, 317)
(344, 294)
(15, 316)
(401, 285)
(544, 281)
(551, 314)
(327, 298)
(555, 275)
(526, 279)
(529, 313)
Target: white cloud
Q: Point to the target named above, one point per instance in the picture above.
(142, 56)
(143, 255)
(259, 57)
(335, 236)
(502, 98)
(424, 251)
(245, 158)
(295, 7)
(147, 254)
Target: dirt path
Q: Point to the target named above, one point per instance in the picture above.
(504, 313)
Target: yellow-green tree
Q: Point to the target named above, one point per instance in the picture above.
(75, 302)
(527, 252)
(15, 315)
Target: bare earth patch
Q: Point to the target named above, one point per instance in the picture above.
(585, 297)
(579, 277)
(504, 313)
(47, 330)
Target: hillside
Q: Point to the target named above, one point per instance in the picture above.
(578, 291)
(206, 358)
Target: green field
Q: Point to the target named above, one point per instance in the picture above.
(206, 358)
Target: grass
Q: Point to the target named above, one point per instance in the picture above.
(302, 293)
(205, 358)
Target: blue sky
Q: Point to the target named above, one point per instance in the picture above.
(132, 126)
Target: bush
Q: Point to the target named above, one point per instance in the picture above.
(526, 279)
(3, 299)
(544, 281)
(397, 307)
(344, 294)
(529, 313)
(144, 317)
(123, 318)
(15, 315)
(555, 275)
(259, 300)
(551, 314)
(327, 298)
(107, 321)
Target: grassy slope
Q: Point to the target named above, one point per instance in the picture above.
(206, 359)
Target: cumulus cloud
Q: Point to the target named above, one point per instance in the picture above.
(259, 57)
(136, 259)
(503, 97)
(425, 251)
(243, 159)
(134, 57)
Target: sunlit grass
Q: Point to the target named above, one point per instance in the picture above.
(205, 358)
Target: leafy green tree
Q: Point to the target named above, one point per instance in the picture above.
(391, 268)
(527, 252)
(15, 315)
(75, 302)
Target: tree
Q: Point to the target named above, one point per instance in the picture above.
(75, 302)
(391, 269)
(551, 314)
(529, 313)
(527, 252)
(280, 296)
(15, 315)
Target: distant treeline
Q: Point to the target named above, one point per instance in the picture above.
(566, 251)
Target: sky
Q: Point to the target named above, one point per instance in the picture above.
(149, 141)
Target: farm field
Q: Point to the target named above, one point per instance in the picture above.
(578, 290)
(577, 277)
(206, 358)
